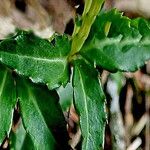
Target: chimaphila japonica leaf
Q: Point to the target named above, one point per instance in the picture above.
(42, 116)
(7, 102)
(117, 42)
(40, 60)
(89, 101)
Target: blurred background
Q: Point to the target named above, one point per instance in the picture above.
(128, 94)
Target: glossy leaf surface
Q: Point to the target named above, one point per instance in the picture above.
(7, 102)
(42, 116)
(125, 47)
(37, 58)
(89, 101)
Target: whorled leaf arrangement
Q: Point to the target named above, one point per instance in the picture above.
(115, 43)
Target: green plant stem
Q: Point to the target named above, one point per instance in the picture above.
(87, 21)
(87, 6)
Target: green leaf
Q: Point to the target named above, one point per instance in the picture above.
(42, 116)
(40, 60)
(7, 102)
(20, 140)
(125, 47)
(66, 96)
(89, 101)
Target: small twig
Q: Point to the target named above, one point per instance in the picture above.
(135, 144)
(116, 121)
(147, 129)
(104, 77)
(128, 114)
(75, 139)
(140, 125)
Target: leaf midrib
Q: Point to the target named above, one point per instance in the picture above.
(86, 110)
(37, 108)
(3, 82)
(63, 59)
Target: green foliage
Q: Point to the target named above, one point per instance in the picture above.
(90, 102)
(113, 42)
(66, 96)
(125, 48)
(20, 140)
(7, 102)
(43, 120)
(37, 58)
(41, 115)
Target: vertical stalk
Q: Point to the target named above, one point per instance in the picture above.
(91, 10)
(87, 6)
